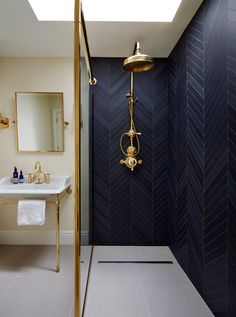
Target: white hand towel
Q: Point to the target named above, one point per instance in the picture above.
(31, 212)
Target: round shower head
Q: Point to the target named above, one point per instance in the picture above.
(138, 62)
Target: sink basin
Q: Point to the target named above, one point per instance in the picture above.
(56, 186)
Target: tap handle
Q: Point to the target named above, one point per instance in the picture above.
(30, 178)
(47, 178)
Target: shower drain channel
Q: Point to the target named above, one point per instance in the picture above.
(135, 262)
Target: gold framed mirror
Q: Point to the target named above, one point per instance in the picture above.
(39, 121)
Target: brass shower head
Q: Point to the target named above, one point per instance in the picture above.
(138, 62)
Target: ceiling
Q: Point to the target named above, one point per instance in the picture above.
(22, 35)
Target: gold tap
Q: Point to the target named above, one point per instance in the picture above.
(39, 177)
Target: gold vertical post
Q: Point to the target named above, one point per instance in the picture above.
(58, 235)
(77, 32)
(132, 84)
(131, 104)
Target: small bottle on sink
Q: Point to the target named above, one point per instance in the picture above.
(21, 178)
(15, 179)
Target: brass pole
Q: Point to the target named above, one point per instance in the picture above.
(132, 84)
(77, 32)
(131, 105)
(58, 234)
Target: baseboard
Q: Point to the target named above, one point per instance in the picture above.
(39, 238)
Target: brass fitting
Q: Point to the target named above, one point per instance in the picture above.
(131, 161)
(38, 177)
(132, 152)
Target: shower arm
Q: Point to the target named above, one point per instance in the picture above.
(132, 152)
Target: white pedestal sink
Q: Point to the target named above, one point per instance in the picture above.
(53, 193)
(57, 185)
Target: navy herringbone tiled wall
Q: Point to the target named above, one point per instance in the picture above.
(231, 68)
(202, 153)
(129, 208)
(185, 192)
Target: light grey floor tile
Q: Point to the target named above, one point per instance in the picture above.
(37, 297)
(113, 253)
(83, 284)
(85, 252)
(13, 258)
(84, 267)
(116, 298)
(5, 284)
(43, 262)
(85, 261)
(175, 298)
(84, 272)
(112, 271)
(161, 271)
(148, 253)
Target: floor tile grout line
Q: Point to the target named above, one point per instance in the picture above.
(27, 261)
(89, 277)
(15, 278)
(57, 275)
(6, 290)
(71, 307)
(143, 291)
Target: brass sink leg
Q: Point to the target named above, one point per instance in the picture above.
(58, 235)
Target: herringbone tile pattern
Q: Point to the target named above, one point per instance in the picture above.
(196, 148)
(129, 208)
(181, 159)
(205, 181)
(100, 187)
(215, 215)
(232, 154)
(185, 190)
(172, 152)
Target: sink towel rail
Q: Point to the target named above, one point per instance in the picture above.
(57, 203)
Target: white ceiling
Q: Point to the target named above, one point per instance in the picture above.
(21, 35)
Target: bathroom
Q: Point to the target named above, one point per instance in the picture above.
(158, 240)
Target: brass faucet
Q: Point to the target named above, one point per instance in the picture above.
(38, 177)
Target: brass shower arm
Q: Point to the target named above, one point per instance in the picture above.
(136, 48)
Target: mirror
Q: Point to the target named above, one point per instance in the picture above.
(40, 121)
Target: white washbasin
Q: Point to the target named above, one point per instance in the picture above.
(56, 186)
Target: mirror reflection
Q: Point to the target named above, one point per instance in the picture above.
(40, 121)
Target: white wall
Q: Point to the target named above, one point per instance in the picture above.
(36, 74)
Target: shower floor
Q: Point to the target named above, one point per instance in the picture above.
(140, 289)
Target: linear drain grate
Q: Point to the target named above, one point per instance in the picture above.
(135, 262)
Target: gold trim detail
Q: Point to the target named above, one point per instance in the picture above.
(92, 79)
(77, 140)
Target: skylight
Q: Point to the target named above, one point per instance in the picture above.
(107, 10)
